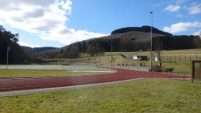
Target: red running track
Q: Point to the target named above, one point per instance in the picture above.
(15, 84)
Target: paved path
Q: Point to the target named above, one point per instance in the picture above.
(16, 84)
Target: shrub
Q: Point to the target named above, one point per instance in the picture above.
(156, 69)
(169, 69)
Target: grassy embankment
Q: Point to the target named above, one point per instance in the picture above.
(148, 95)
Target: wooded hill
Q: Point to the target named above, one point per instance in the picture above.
(125, 40)
(141, 29)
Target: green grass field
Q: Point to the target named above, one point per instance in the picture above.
(147, 95)
(48, 70)
(42, 73)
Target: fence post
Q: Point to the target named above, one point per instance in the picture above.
(179, 58)
(185, 58)
(175, 58)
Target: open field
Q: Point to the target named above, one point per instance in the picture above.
(148, 95)
(41, 73)
(48, 70)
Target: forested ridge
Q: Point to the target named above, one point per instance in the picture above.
(141, 29)
(125, 40)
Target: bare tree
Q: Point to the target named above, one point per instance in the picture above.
(158, 46)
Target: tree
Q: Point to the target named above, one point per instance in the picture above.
(16, 53)
(197, 42)
(72, 51)
(95, 48)
(91, 49)
(158, 46)
(125, 45)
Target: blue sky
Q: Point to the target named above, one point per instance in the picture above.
(59, 23)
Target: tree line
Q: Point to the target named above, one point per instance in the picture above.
(97, 47)
(131, 44)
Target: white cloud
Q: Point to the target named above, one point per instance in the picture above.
(32, 16)
(44, 17)
(181, 26)
(168, 2)
(180, 1)
(68, 36)
(180, 15)
(195, 9)
(1, 22)
(200, 34)
(172, 8)
(28, 45)
(66, 5)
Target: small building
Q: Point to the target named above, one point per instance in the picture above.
(140, 58)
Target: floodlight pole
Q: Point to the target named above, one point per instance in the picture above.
(8, 48)
(151, 40)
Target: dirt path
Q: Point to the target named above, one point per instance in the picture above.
(16, 84)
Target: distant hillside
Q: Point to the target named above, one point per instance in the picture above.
(124, 40)
(127, 41)
(134, 35)
(140, 29)
(37, 49)
(130, 40)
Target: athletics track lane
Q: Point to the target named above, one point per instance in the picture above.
(15, 84)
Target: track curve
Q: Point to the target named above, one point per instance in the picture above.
(15, 84)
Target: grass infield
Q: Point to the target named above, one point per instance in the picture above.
(147, 95)
(48, 70)
(42, 73)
